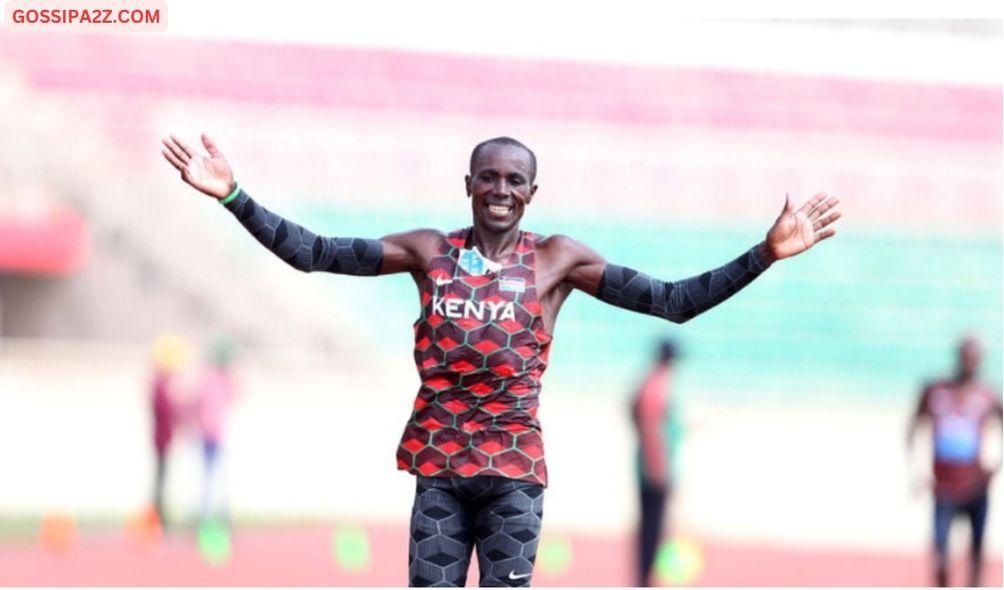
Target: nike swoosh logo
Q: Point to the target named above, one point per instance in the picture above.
(514, 576)
(443, 281)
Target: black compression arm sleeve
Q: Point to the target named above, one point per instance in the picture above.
(681, 300)
(302, 249)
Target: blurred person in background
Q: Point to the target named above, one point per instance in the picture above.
(170, 353)
(214, 394)
(958, 409)
(658, 428)
(490, 295)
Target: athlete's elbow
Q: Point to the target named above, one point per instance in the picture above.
(301, 269)
(679, 317)
(298, 263)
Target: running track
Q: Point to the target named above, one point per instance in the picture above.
(301, 556)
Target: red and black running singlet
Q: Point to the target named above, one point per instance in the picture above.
(480, 348)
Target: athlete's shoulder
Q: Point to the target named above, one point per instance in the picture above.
(457, 237)
(990, 392)
(930, 389)
(429, 232)
(988, 387)
(940, 384)
(412, 247)
(560, 243)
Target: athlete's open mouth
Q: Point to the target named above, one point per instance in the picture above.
(499, 210)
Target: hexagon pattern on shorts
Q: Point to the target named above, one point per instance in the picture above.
(451, 516)
(480, 349)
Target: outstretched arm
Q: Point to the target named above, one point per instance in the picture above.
(792, 233)
(681, 300)
(294, 244)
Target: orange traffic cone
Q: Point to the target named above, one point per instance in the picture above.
(144, 528)
(58, 532)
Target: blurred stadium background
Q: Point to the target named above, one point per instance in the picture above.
(797, 391)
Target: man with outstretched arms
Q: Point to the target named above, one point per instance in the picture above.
(490, 294)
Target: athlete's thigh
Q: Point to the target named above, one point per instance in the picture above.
(439, 549)
(977, 511)
(508, 530)
(944, 513)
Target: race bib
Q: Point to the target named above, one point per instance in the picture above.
(473, 263)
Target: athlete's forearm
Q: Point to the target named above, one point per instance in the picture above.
(681, 300)
(301, 248)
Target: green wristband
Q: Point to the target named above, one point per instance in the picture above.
(231, 196)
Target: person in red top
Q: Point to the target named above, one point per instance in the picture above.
(958, 410)
(163, 413)
(168, 356)
(490, 295)
(657, 424)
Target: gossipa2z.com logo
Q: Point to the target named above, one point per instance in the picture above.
(94, 15)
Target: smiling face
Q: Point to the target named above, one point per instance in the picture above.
(500, 186)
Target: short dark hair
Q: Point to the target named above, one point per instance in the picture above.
(668, 350)
(505, 141)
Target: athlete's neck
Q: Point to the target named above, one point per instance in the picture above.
(963, 377)
(495, 246)
(663, 370)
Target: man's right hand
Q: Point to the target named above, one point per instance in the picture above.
(210, 175)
